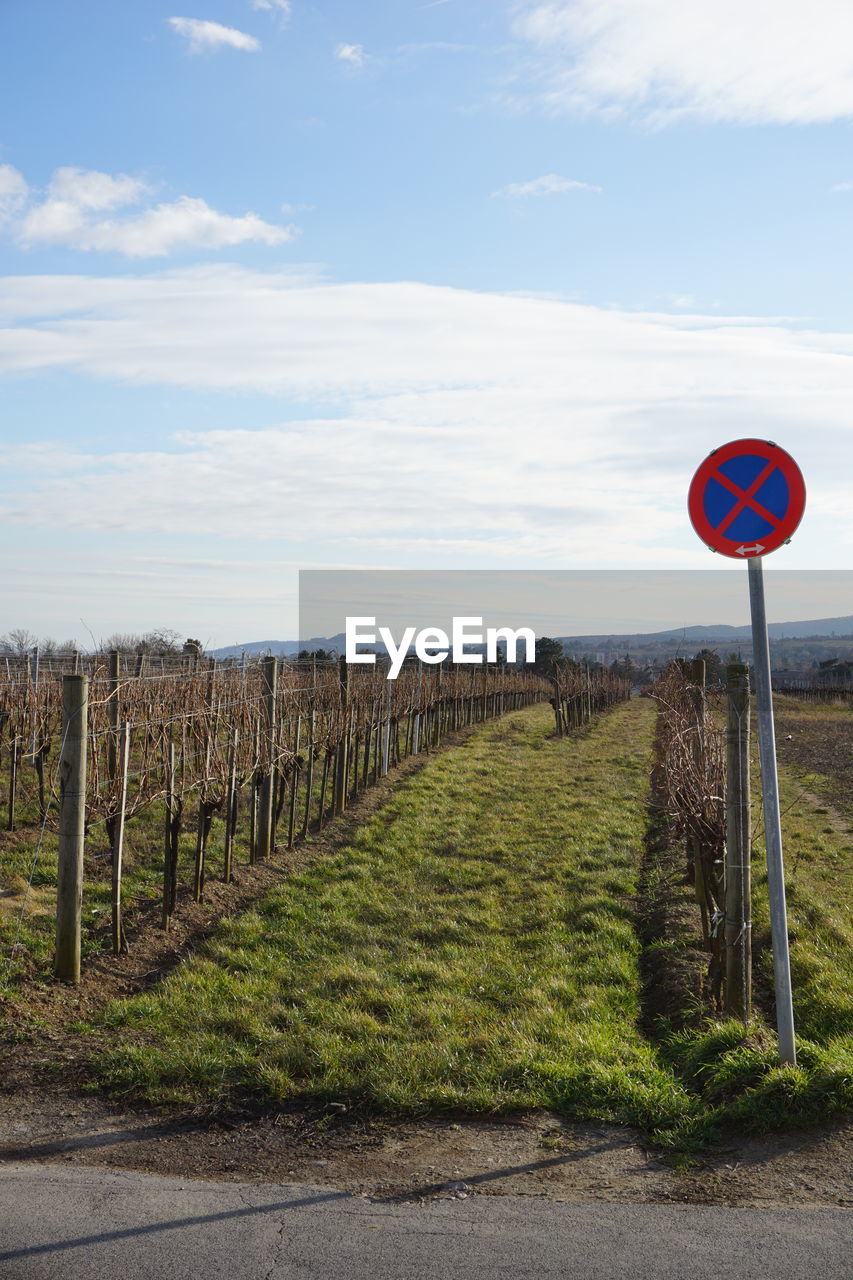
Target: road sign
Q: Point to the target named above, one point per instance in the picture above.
(747, 498)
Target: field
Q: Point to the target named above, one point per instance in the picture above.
(479, 944)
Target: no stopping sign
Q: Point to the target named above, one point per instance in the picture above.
(747, 498)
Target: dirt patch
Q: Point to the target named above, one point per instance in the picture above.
(532, 1155)
(673, 961)
(818, 740)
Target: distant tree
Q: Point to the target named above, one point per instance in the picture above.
(17, 642)
(161, 642)
(626, 668)
(713, 666)
(548, 652)
(193, 647)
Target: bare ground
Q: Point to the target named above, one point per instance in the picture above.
(814, 739)
(532, 1155)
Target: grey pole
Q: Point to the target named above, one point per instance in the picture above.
(772, 820)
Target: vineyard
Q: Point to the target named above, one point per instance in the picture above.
(566, 909)
(236, 756)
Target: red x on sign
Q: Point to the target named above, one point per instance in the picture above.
(747, 498)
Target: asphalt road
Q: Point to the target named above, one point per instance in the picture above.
(93, 1224)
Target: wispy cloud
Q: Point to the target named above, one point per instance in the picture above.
(521, 428)
(14, 192)
(282, 8)
(352, 53)
(436, 46)
(719, 60)
(202, 35)
(550, 184)
(842, 186)
(70, 213)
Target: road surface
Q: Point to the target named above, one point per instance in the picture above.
(95, 1224)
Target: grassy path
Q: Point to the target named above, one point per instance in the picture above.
(474, 947)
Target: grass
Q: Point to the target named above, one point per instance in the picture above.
(28, 875)
(473, 948)
(819, 883)
(29, 915)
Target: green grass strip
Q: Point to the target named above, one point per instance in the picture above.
(473, 949)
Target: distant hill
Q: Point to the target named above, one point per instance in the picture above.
(719, 633)
(280, 648)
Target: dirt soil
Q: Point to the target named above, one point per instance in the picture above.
(808, 742)
(414, 1160)
(49, 1115)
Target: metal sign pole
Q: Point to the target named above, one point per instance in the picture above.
(772, 820)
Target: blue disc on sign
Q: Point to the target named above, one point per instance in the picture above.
(747, 498)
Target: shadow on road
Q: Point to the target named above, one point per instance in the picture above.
(175, 1224)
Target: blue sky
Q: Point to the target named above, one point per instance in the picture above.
(448, 285)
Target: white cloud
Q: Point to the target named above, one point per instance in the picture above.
(351, 53)
(753, 62)
(89, 189)
(186, 223)
(548, 185)
(281, 7)
(461, 425)
(65, 217)
(842, 186)
(13, 192)
(202, 35)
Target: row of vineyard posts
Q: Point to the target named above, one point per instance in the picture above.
(579, 691)
(703, 785)
(288, 747)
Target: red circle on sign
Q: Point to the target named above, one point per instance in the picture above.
(747, 498)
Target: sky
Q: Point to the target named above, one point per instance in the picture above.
(468, 284)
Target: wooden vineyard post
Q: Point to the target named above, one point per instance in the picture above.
(34, 681)
(558, 706)
(14, 753)
(323, 784)
(112, 736)
(697, 697)
(264, 833)
(119, 941)
(205, 814)
(738, 846)
(230, 806)
(309, 781)
(171, 836)
(340, 781)
(416, 719)
(294, 786)
(255, 792)
(386, 731)
(72, 825)
(365, 771)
